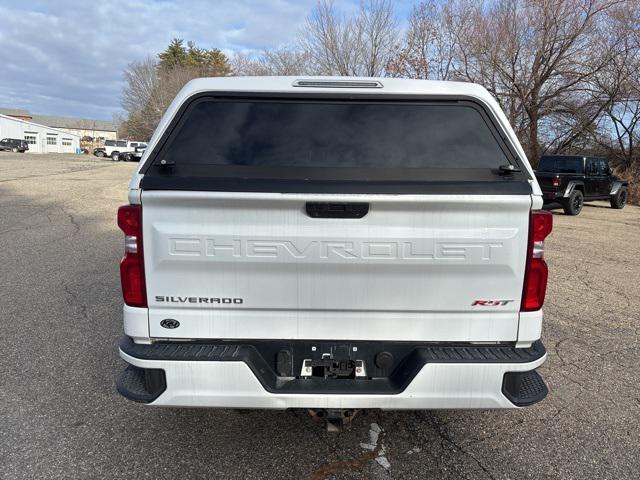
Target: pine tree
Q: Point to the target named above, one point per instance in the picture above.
(175, 55)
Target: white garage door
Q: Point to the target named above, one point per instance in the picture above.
(67, 145)
(52, 143)
(33, 141)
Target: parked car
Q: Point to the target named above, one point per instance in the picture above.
(134, 156)
(13, 145)
(113, 148)
(570, 180)
(337, 244)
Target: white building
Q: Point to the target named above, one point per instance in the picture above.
(41, 139)
(97, 130)
(94, 131)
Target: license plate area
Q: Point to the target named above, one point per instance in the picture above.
(335, 368)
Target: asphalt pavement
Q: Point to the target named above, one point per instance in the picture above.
(60, 320)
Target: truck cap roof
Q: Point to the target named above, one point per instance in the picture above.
(338, 86)
(306, 84)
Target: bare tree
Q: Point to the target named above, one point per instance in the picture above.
(282, 61)
(148, 92)
(244, 64)
(141, 80)
(138, 96)
(619, 82)
(286, 61)
(360, 45)
(428, 49)
(538, 57)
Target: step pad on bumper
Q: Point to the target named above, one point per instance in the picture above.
(141, 385)
(524, 388)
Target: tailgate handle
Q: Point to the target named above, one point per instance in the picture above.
(336, 210)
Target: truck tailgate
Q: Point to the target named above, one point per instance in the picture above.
(256, 265)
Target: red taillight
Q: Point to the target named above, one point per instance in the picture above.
(536, 271)
(132, 264)
(555, 182)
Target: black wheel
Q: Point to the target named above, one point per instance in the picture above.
(619, 200)
(573, 204)
(14, 150)
(99, 154)
(115, 156)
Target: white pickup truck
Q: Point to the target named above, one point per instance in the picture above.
(115, 148)
(333, 244)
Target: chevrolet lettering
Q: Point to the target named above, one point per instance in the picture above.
(424, 250)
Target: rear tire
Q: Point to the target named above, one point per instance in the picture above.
(619, 200)
(99, 154)
(115, 156)
(14, 150)
(573, 204)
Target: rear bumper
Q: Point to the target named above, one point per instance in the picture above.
(552, 195)
(230, 375)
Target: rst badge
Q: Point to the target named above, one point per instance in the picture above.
(490, 303)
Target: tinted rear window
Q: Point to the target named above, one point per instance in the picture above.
(287, 144)
(334, 135)
(561, 165)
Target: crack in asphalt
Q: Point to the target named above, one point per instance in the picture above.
(26, 218)
(73, 300)
(445, 437)
(73, 221)
(47, 213)
(587, 389)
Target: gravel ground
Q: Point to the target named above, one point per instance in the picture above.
(60, 318)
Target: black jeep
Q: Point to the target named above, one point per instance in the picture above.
(572, 180)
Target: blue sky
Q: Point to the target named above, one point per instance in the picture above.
(66, 57)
